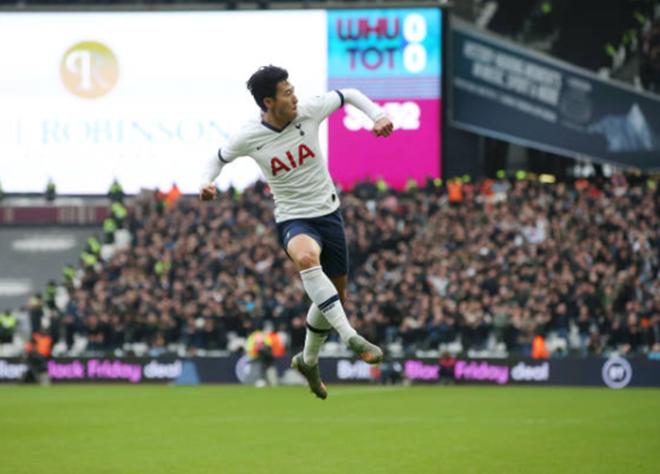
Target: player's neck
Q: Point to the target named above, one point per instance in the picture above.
(274, 121)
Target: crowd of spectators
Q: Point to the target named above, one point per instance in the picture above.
(500, 262)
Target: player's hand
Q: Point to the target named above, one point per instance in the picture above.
(383, 128)
(208, 192)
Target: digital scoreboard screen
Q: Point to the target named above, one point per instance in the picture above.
(89, 97)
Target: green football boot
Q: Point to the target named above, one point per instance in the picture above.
(312, 374)
(368, 352)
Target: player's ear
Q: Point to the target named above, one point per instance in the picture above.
(268, 102)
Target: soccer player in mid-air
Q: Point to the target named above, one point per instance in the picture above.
(284, 141)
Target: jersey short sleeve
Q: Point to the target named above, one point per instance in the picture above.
(321, 106)
(235, 148)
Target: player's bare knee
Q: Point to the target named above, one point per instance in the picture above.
(307, 261)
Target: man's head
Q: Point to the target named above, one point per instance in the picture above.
(273, 93)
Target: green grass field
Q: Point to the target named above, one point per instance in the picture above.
(231, 429)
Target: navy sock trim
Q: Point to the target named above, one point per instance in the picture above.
(323, 332)
(327, 303)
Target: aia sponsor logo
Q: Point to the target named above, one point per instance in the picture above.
(291, 162)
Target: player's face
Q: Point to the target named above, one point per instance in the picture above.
(286, 102)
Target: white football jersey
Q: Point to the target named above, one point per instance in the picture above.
(291, 159)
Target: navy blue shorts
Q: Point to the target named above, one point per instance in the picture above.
(329, 232)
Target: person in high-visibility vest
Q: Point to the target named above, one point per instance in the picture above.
(487, 187)
(51, 292)
(69, 275)
(7, 326)
(43, 343)
(38, 351)
(468, 185)
(161, 267)
(455, 191)
(116, 192)
(93, 245)
(411, 185)
(109, 228)
(263, 348)
(88, 259)
(539, 349)
(173, 196)
(51, 191)
(119, 214)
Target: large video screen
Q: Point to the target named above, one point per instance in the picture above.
(146, 98)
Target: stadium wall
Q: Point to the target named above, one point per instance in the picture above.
(613, 372)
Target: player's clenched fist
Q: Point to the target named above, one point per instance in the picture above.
(382, 128)
(208, 192)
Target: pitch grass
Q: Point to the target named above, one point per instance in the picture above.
(361, 430)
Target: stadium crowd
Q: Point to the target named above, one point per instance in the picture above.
(498, 261)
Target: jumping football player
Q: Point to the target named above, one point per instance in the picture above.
(284, 142)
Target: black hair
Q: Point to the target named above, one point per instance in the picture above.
(263, 83)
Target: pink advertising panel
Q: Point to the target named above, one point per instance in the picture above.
(408, 153)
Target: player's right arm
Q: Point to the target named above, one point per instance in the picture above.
(323, 105)
(382, 125)
(214, 165)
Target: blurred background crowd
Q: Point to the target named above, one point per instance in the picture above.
(513, 264)
(495, 267)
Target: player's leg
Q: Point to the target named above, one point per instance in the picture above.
(305, 252)
(302, 240)
(307, 362)
(318, 329)
(367, 351)
(334, 260)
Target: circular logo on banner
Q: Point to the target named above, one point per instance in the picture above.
(243, 368)
(617, 372)
(89, 70)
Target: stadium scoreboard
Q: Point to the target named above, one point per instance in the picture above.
(89, 97)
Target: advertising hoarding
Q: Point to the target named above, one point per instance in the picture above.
(615, 372)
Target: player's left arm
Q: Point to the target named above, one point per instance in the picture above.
(382, 125)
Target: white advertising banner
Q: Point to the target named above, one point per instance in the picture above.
(143, 97)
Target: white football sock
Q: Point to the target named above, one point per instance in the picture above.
(318, 329)
(324, 295)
